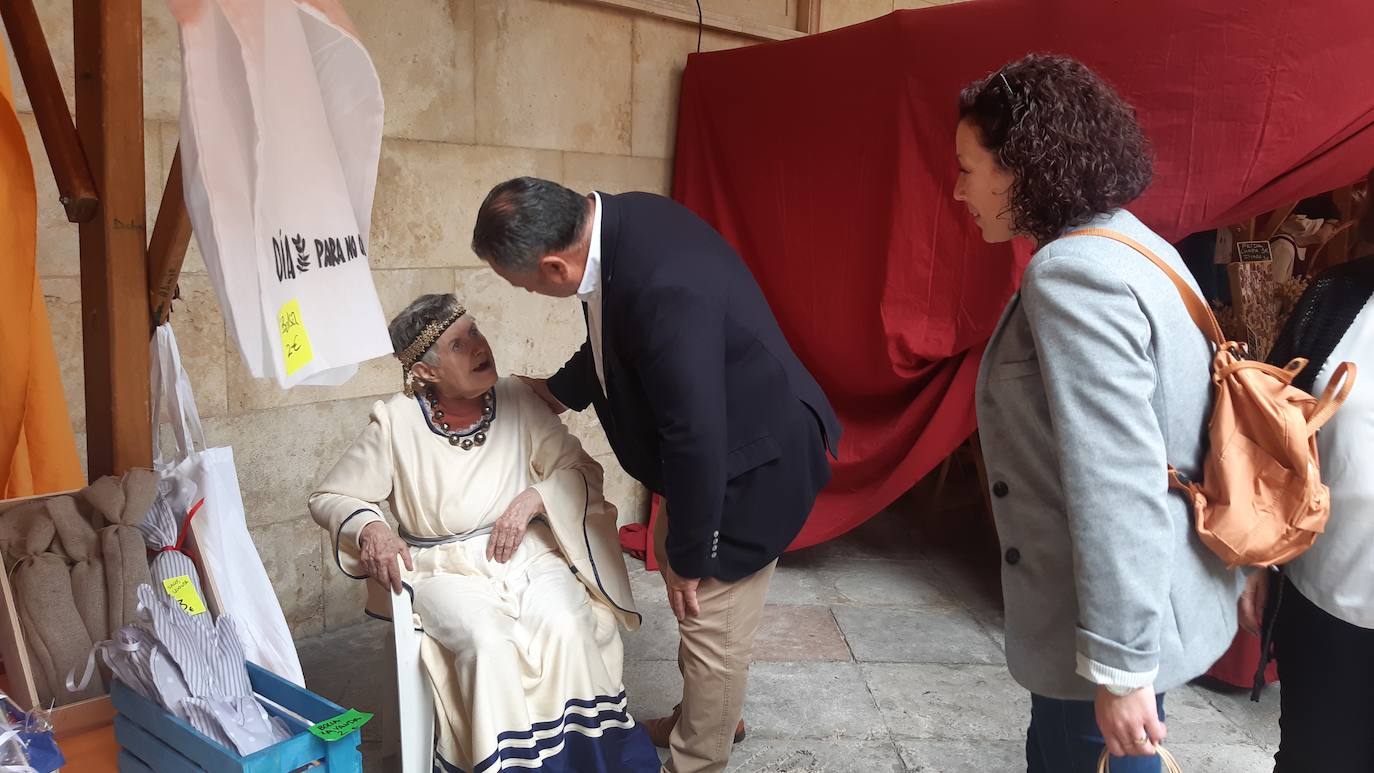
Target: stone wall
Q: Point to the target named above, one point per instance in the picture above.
(841, 13)
(477, 91)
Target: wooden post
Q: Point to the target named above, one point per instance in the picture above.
(68, 162)
(114, 269)
(809, 16)
(167, 247)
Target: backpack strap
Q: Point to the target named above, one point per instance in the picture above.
(1343, 380)
(1201, 314)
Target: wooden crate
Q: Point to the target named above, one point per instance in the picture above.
(153, 740)
(83, 716)
(69, 719)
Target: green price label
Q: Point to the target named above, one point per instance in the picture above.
(340, 726)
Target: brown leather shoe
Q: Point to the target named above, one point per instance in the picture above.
(661, 729)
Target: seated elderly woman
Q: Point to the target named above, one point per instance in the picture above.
(496, 501)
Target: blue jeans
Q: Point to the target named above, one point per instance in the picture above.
(1063, 738)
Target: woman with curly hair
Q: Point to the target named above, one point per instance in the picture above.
(1095, 381)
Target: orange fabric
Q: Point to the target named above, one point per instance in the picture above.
(37, 447)
(1261, 500)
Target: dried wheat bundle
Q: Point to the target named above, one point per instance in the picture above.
(1267, 306)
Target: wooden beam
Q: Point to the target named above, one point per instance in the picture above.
(74, 182)
(167, 247)
(809, 16)
(114, 268)
(686, 11)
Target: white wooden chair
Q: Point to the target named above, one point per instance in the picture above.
(414, 701)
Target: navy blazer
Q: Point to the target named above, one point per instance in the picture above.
(705, 402)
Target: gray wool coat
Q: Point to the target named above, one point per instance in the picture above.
(1095, 381)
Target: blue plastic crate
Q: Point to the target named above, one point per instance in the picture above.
(154, 741)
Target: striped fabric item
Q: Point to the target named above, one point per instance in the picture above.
(199, 675)
(567, 744)
(163, 533)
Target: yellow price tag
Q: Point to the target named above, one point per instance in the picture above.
(184, 592)
(295, 343)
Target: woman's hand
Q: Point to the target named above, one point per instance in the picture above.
(378, 549)
(509, 529)
(1253, 601)
(1130, 724)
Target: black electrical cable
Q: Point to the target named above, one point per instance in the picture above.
(701, 22)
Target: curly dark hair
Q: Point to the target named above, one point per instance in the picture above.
(1070, 141)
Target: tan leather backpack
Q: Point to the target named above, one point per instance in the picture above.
(1261, 501)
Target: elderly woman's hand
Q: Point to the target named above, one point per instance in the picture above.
(378, 549)
(509, 529)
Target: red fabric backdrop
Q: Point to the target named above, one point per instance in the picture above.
(828, 162)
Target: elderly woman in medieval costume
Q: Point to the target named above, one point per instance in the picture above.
(495, 502)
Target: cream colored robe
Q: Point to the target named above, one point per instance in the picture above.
(494, 628)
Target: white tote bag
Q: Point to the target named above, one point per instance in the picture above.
(233, 570)
(281, 129)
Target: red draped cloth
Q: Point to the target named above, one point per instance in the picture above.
(828, 162)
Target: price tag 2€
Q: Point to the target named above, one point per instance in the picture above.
(183, 591)
(295, 342)
(341, 726)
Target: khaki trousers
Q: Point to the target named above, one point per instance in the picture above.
(713, 656)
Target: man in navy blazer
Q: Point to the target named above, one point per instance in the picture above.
(703, 402)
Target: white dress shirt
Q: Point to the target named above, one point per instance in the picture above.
(1337, 572)
(589, 292)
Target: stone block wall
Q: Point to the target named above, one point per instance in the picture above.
(841, 13)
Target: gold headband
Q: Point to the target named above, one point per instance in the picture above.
(431, 333)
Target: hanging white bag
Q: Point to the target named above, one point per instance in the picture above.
(232, 569)
(281, 129)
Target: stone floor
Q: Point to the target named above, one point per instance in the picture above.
(878, 652)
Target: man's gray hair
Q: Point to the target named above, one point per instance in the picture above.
(406, 326)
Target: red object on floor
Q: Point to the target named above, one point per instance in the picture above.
(645, 540)
(634, 540)
(651, 560)
(1237, 666)
(637, 539)
(828, 162)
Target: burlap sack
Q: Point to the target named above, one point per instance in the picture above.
(82, 548)
(123, 503)
(54, 633)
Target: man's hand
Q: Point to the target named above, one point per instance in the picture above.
(1253, 600)
(378, 549)
(682, 592)
(541, 388)
(509, 529)
(1125, 721)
